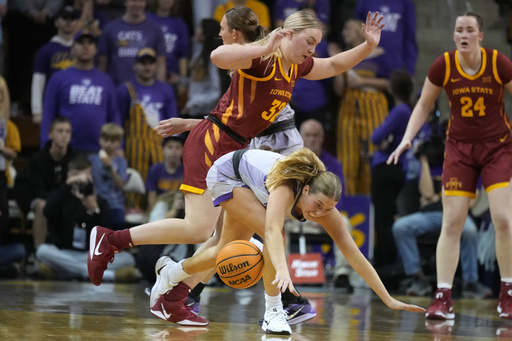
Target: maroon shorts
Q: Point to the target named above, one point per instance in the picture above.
(205, 144)
(464, 162)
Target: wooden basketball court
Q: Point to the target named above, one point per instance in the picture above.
(58, 310)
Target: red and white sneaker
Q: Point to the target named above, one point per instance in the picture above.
(442, 307)
(505, 301)
(172, 307)
(101, 252)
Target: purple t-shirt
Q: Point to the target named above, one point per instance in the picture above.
(120, 43)
(394, 124)
(87, 98)
(398, 37)
(158, 100)
(160, 181)
(176, 39)
(311, 95)
(52, 57)
(284, 8)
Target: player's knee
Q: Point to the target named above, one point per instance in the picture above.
(201, 235)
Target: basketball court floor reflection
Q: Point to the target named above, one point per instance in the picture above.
(56, 310)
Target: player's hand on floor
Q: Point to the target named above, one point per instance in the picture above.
(398, 305)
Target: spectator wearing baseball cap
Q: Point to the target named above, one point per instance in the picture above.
(53, 56)
(143, 102)
(82, 93)
(146, 54)
(68, 13)
(82, 34)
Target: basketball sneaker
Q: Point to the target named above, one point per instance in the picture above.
(274, 322)
(193, 303)
(101, 252)
(505, 301)
(442, 307)
(298, 312)
(162, 285)
(171, 307)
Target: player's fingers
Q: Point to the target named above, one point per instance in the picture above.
(292, 289)
(414, 308)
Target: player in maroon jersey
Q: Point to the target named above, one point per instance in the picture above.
(262, 83)
(478, 144)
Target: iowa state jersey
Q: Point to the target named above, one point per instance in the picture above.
(258, 94)
(477, 110)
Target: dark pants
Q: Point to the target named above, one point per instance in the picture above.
(387, 181)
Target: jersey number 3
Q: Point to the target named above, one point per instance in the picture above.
(468, 108)
(272, 113)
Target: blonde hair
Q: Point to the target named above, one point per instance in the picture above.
(111, 131)
(5, 99)
(304, 166)
(298, 21)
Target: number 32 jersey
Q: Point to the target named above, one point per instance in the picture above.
(477, 110)
(257, 95)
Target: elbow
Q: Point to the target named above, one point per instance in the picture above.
(215, 57)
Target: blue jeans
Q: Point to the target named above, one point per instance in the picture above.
(406, 229)
(10, 253)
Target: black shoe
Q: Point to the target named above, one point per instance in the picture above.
(342, 282)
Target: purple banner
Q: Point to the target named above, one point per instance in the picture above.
(358, 209)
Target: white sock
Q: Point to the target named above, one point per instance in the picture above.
(444, 286)
(257, 243)
(272, 302)
(507, 279)
(175, 273)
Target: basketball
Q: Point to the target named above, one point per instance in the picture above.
(240, 264)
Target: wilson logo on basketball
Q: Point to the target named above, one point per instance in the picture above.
(240, 264)
(225, 269)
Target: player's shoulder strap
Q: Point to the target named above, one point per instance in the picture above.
(237, 156)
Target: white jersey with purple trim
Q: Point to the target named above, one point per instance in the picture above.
(254, 166)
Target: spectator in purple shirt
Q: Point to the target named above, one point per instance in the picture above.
(83, 94)
(399, 34)
(176, 36)
(143, 102)
(124, 37)
(284, 8)
(52, 57)
(388, 180)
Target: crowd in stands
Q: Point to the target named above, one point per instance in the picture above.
(96, 76)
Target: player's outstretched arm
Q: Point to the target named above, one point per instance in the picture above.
(419, 115)
(335, 227)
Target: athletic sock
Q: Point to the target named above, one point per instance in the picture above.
(272, 302)
(121, 239)
(198, 289)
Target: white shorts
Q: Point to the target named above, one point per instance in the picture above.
(221, 179)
